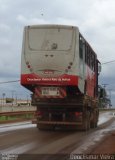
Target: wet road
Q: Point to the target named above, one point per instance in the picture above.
(26, 138)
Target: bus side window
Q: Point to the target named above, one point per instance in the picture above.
(92, 61)
(86, 53)
(88, 56)
(80, 48)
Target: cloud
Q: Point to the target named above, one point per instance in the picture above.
(25, 21)
(4, 28)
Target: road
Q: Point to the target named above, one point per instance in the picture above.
(25, 138)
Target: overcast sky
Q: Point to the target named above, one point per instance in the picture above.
(95, 19)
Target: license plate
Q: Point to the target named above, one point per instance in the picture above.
(50, 91)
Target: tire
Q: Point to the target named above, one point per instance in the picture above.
(94, 122)
(86, 122)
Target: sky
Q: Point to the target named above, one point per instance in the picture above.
(96, 22)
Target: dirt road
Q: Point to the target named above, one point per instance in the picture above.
(26, 139)
(105, 146)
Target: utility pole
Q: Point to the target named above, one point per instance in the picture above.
(12, 96)
(104, 100)
(3, 99)
(110, 96)
(106, 63)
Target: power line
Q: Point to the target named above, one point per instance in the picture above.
(19, 80)
(104, 85)
(108, 62)
(9, 81)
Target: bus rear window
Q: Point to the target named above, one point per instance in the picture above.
(50, 39)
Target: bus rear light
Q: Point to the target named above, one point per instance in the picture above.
(38, 114)
(28, 66)
(77, 114)
(69, 67)
(70, 64)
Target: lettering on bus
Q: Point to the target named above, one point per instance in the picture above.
(49, 79)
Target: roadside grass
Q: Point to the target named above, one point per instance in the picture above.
(16, 117)
(106, 109)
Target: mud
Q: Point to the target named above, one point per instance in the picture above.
(105, 146)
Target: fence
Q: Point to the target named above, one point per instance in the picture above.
(6, 117)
